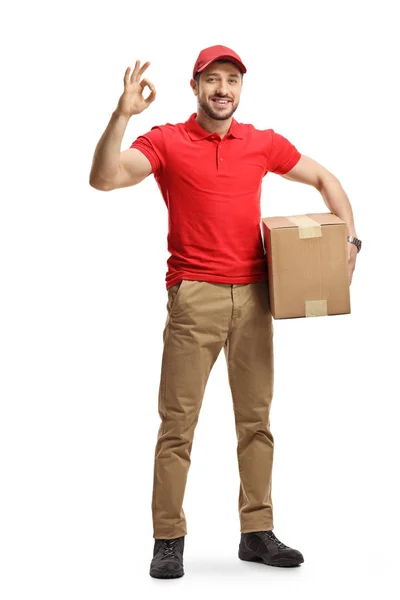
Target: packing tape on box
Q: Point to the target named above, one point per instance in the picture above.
(316, 308)
(308, 228)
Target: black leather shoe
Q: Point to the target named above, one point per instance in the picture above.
(167, 560)
(264, 546)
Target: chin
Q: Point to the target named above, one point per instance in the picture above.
(218, 116)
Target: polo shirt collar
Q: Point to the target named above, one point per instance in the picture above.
(196, 132)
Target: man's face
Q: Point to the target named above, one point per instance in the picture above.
(218, 92)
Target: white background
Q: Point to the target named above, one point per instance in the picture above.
(83, 305)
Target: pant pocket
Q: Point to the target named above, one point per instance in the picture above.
(173, 294)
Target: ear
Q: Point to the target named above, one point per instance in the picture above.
(194, 87)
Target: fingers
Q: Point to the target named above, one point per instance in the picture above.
(126, 76)
(146, 82)
(134, 77)
(129, 79)
(137, 72)
(143, 68)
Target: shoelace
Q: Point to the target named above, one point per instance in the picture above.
(272, 536)
(169, 550)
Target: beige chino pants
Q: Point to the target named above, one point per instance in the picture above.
(202, 319)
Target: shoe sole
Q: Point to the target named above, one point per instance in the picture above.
(283, 562)
(166, 574)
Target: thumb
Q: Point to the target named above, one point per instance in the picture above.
(151, 97)
(146, 82)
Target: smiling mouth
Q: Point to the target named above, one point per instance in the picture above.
(221, 101)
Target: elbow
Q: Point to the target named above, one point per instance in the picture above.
(99, 184)
(325, 181)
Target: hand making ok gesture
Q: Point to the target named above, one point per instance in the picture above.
(132, 101)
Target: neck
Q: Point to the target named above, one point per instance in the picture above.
(213, 125)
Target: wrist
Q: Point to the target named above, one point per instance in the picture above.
(119, 116)
(354, 241)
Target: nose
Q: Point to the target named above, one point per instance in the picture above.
(222, 89)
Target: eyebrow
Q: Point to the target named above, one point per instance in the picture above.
(217, 74)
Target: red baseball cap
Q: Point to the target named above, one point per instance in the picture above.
(208, 55)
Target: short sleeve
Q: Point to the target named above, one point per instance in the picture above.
(152, 145)
(283, 155)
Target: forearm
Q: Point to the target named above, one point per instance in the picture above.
(106, 157)
(338, 203)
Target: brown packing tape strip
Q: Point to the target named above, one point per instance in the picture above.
(316, 308)
(308, 228)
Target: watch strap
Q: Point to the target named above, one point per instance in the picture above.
(355, 241)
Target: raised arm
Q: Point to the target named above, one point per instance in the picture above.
(112, 168)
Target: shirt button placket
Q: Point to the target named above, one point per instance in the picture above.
(220, 159)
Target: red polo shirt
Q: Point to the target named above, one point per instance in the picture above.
(212, 190)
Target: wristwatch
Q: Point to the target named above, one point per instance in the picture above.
(355, 241)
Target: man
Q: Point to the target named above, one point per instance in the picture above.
(209, 170)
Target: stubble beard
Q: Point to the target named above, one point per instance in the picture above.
(213, 114)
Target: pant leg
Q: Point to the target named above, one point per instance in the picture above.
(195, 332)
(249, 355)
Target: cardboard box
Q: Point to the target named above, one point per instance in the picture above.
(307, 265)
